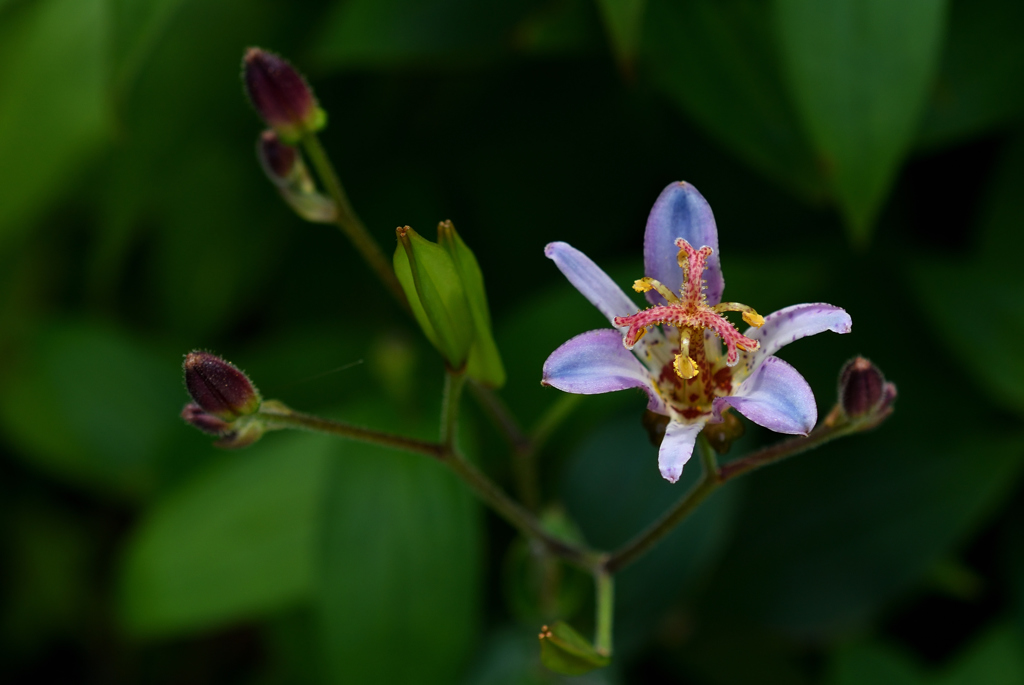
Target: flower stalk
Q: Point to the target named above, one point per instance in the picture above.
(348, 222)
(605, 587)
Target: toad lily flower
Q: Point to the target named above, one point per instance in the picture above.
(680, 362)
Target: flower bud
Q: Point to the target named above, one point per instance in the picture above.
(436, 294)
(280, 162)
(208, 423)
(863, 389)
(218, 387)
(280, 95)
(284, 167)
(565, 651)
(655, 424)
(721, 435)
(242, 435)
(484, 362)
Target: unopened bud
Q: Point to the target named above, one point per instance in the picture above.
(280, 95)
(204, 421)
(436, 294)
(565, 651)
(484, 362)
(280, 161)
(655, 424)
(242, 435)
(863, 389)
(219, 387)
(283, 165)
(721, 435)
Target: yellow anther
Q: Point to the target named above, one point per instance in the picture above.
(685, 367)
(642, 285)
(753, 318)
(749, 315)
(641, 333)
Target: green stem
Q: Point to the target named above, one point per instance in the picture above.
(523, 448)
(454, 381)
(516, 514)
(278, 416)
(824, 432)
(647, 539)
(347, 220)
(605, 589)
(714, 477)
(282, 417)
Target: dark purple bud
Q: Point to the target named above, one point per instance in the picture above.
(280, 95)
(721, 435)
(219, 387)
(655, 425)
(863, 388)
(278, 159)
(208, 423)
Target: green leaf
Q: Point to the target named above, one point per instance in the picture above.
(993, 272)
(436, 294)
(93, 406)
(484, 363)
(717, 60)
(53, 110)
(978, 86)
(236, 542)
(624, 20)
(565, 651)
(860, 71)
(399, 582)
(997, 658)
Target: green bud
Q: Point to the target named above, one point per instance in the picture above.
(244, 432)
(484, 363)
(436, 295)
(565, 651)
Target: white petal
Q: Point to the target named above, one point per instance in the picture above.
(775, 396)
(596, 362)
(681, 212)
(677, 447)
(591, 281)
(787, 325)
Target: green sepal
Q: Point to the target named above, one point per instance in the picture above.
(565, 651)
(436, 295)
(484, 362)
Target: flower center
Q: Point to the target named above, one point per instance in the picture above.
(690, 313)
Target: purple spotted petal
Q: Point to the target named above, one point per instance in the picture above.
(777, 397)
(680, 212)
(676, 448)
(792, 323)
(596, 362)
(591, 281)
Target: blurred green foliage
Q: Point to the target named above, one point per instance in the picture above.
(858, 152)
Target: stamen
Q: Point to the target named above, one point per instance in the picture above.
(645, 284)
(749, 314)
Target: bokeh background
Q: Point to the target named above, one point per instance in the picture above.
(866, 153)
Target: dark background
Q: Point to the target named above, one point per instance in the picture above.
(860, 152)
